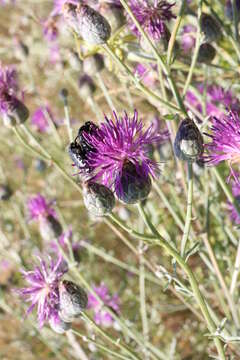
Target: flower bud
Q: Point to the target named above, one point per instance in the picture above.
(63, 94)
(86, 86)
(72, 299)
(210, 28)
(58, 325)
(93, 64)
(206, 53)
(40, 165)
(17, 114)
(188, 144)
(50, 228)
(98, 199)
(5, 192)
(87, 23)
(134, 185)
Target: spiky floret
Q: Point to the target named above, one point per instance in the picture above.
(152, 16)
(8, 88)
(43, 291)
(225, 144)
(116, 143)
(39, 208)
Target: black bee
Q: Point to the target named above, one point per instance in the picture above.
(90, 128)
(80, 147)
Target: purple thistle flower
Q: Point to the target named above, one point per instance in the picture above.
(43, 291)
(8, 88)
(50, 29)
(225, 144)
(147, 76)
(102, 316)
(39, 208)
(235, 217)
(39, 119)
(116, 145)
(217, 100)
(152, 16)
(188, 39)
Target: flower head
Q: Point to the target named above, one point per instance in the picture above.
(43, 290)
(188, 38)
(8, 87)
(39, 208)
(225, 144)
(120, 147)
(39, 119)
(151, 15)
(235, 217)
(102, 316)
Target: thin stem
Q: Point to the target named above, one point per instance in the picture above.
(116, 343)
(100, 346)
(52, 126)
(235, 19)
(158, 57)
(174, 33)
(195, 288)
(195, 55)
(139, 85)
(67, 121)
(225, 189)
(76, 346)
(222, 282)
(32, 150)
(235, 271)
(105, 91)
(189, 209)
(34, 140)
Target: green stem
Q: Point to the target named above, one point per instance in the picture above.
(138, 83)
(109, 338)
(225, 189)
(100, 346)
(105, 91)
(158, 57)
(235, 19)
(194, 285)
(32, 150)
(195, 55)
(189, 210)
(67, 121)
(174, 33)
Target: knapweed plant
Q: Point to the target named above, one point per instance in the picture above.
(120, 179)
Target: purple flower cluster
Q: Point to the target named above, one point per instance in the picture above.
(102, 316)
(8, 88)
(235, 217)
(39, 208)
(39, 119)
(152, 16)
(119, 142)
(218, 100)
(225, 144)
(43, 291)
(188, 38)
